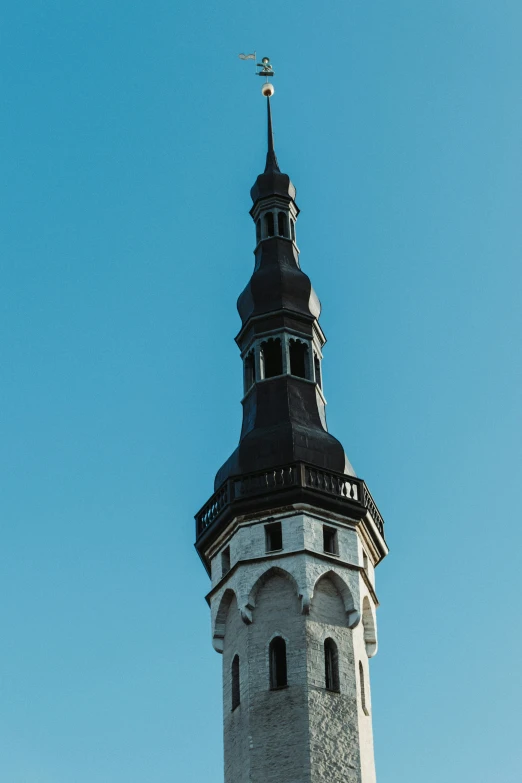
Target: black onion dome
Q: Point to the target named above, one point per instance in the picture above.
(278, 283)
(272, 183)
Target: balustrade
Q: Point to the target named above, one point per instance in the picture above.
(348, 488)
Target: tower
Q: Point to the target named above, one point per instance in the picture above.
(290, 537)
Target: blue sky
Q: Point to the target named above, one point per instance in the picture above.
(131, 134)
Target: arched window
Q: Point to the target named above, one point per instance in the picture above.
(331, 665)
(269, 224)
(236, 694)
(282, 224)
(298, 358)
(249, 371)
(363, 689)
(317, 367)
(271, 358)
(258, 230)
(277, 653)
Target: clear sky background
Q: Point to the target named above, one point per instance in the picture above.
(131, 134)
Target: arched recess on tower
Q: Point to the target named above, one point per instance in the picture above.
(352, 616)
(266, 576)
(218, 632)
(370, 628)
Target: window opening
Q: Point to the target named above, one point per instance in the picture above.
(277, 654)
(292, 228)
(225, 561)
(236, 693)
(282, 224)
(269, 224)
(298, 357)
(363, 690)
(331, 665)
(250, 372)
(317, 366)
(273, 537)
(271, 358)
(365, 561)
(330, 544)
(258, 230)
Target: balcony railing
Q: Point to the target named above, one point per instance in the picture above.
(297, 475)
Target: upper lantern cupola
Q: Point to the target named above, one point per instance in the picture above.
(274, 210)
(278, 283)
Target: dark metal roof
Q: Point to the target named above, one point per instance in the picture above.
(283, 416)
(278, 283)
(282, 423)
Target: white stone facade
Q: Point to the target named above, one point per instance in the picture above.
(302, 733)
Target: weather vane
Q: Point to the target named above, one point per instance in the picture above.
(266, 70)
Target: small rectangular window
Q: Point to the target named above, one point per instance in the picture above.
(225, 561)
(273, 537)
(330, 545)
(365, 561)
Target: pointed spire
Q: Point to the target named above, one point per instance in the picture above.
(271, 158)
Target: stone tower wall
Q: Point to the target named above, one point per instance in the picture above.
(302, 733)
(235, 725)
(333, 720)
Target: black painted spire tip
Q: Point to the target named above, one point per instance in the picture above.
(271, 158)
(272, 182)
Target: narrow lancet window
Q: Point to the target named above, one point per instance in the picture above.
(298, 358)
(269, 224)
(282, 224)
(363, 689)
(331, 665)
(236, 692)
(277, 653)
(271, 358)
(258, 230)
(249, 371)
(292, 226)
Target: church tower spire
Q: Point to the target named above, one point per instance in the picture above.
(271, 159)
(290, 537)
